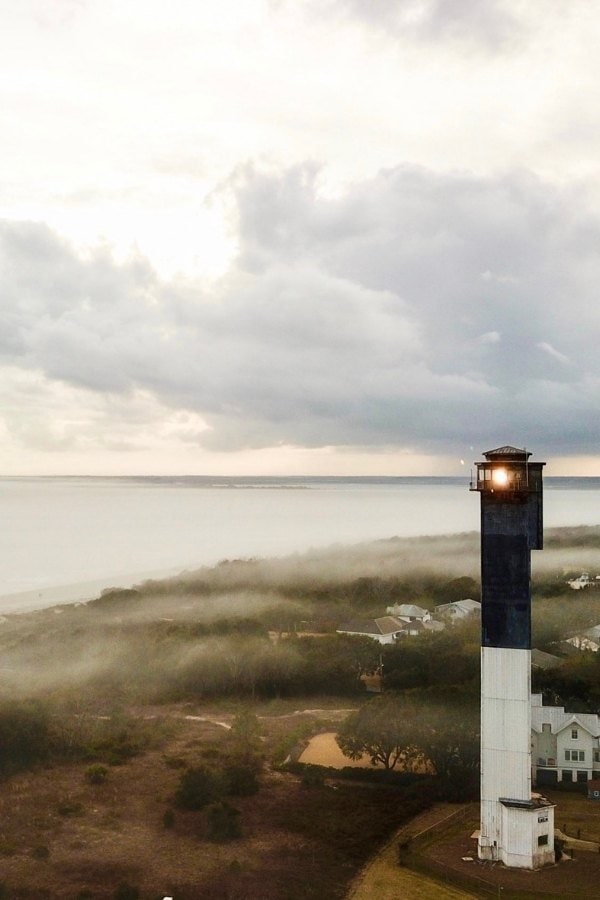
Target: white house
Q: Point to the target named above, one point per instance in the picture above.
(409, 612)
(564, 746)
(386, 629)
(459, 609)
(389, 629)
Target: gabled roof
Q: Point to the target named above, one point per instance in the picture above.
(542, 660)
(466, 605)
(381, 626)
(575, 720)
(559, 720)
(409, 609)
(389, 624)
(360, 626)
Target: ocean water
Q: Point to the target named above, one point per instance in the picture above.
(64, 539)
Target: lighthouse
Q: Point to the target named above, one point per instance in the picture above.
(517, 828)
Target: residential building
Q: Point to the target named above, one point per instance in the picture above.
(565, 746)
(386, 629)
(409, 612)
(458, 610)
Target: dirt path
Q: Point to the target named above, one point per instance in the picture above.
(385, 879)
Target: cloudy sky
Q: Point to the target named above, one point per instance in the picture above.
(298, 236)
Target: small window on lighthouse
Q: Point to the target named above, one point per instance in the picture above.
(542, 840)
(546, 726)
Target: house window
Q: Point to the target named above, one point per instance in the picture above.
(542, 840)
(568, 754)
(546, 726)
(575, 755)
(596, 755)
(574, 734)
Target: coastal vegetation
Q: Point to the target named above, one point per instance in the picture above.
(179, 708)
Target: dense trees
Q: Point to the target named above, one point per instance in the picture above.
(442, 659)
(383, 729)
(448, 737)
(414, 735)
(574, 684)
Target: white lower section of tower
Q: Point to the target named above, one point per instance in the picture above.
(515, 829)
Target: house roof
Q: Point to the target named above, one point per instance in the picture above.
(389, 624)
(559, 720)
(380, 626)
(576, 720)
(467, 605)
(360, 626)
(542, 660)
(409, 609)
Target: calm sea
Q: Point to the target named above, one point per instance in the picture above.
(65, 539)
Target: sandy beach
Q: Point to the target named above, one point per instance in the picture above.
(78, 592)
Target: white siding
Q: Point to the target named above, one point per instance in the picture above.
(521, 829)
(505, 738)
(553, 744)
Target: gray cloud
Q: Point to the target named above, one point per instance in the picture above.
(417, 310)
(492, 24)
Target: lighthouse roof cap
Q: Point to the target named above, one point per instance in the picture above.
(507, 452)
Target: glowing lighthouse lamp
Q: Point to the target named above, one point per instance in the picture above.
(517, 828)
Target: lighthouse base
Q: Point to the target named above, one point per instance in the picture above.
(526, 839)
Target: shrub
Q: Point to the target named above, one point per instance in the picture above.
(116, 749)
(197, 788)
(96, 774)
(223, 822)
(241, 780)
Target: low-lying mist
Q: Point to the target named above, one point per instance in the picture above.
(217, 631)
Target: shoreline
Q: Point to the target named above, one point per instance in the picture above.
(76, 592)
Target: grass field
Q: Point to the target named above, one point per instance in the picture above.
(63, 836)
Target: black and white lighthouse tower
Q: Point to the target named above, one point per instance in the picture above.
(517, 827)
